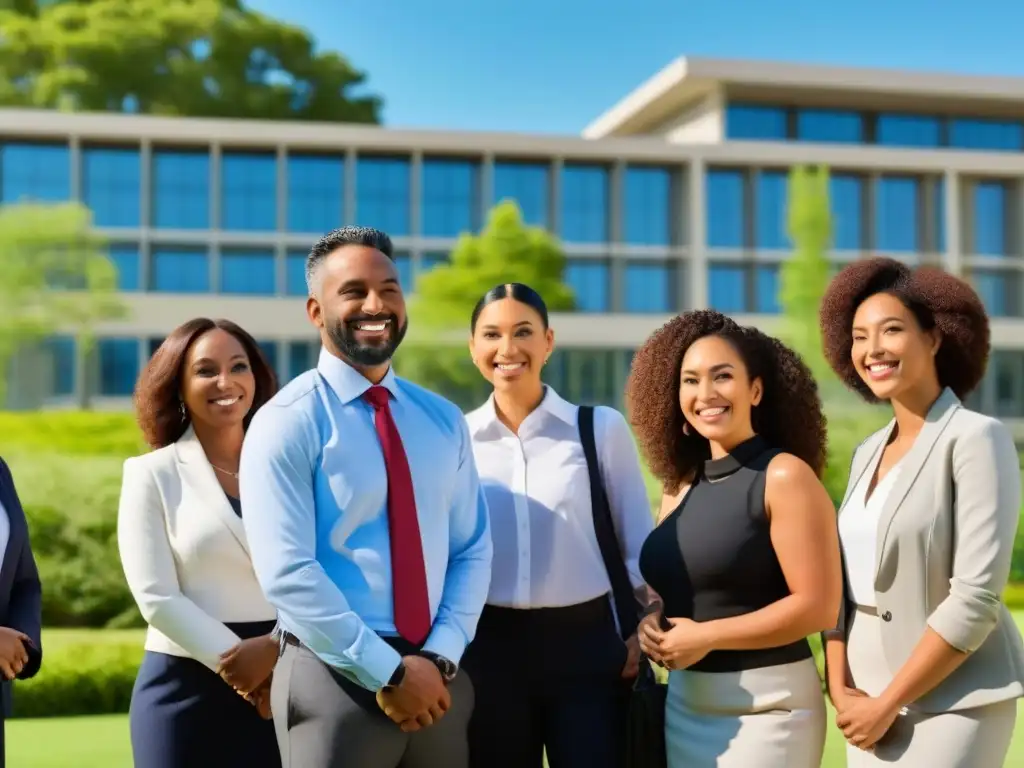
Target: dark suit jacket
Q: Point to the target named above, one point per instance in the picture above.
(20, 590)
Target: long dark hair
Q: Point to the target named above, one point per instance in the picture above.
(157, 398)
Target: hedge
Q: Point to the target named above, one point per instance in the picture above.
(83, 673)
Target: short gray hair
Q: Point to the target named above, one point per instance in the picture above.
(335, 239)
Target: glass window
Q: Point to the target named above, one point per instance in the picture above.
(983, 134)
(908, 131)
(726, 213)
(247, 272)
(111, 185)
(119, 366)
(998, 290)
(295, 274)
(403, 263)
(727, 288)
(846, 196)
(382, 194)
(940, 213)
(154, 344)
(584, 204)
(649, 287)
(589, 283)
(450, 197)
(40, 172)
(126, 261)
(990, 198)
(529, 185)
(248, 192)
(181, 270)
(827, 125)
(316, 195)
(181, 189)
(1007, 371)
(62, 357)
(755, 121)
(647, 206)
(766, 289)
(771, 206)
(897, 220)
(430, 260)
(269, 350)
(301, 357)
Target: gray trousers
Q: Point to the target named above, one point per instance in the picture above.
(324, 720)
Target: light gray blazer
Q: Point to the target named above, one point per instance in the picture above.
(945, 539)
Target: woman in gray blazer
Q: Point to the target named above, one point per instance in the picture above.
(926, 663)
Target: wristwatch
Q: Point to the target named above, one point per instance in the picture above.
(448, 668)
(397, 676)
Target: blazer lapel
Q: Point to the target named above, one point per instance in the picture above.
(17, 527)
(910, 466)
(869, 451)
(195, 471)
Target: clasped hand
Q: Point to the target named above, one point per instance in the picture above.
(13, 652)
(420, 701)
(247, 668)
(680, 647)
(864, 719)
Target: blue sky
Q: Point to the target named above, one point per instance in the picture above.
(551, 66)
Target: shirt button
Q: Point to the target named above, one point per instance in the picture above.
(886, 616)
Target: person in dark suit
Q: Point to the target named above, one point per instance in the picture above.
(21, 647)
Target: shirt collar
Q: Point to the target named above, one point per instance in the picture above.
(348, 383)
(486, 416)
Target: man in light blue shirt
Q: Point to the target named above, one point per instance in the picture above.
(368, 532)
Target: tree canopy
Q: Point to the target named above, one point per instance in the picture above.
(505, 251)
(55, 275)
(199, 58)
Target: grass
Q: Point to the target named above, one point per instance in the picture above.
(103, 742)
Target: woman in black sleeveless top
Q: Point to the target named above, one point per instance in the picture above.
(746, 556)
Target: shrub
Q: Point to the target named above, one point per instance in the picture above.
(83, 673)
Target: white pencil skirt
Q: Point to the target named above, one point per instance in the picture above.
(969, 738)
(773, 717)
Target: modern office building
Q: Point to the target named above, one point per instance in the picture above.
(673, 199)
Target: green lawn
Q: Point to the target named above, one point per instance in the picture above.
(102, 742)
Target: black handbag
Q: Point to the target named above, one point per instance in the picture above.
(645, 728)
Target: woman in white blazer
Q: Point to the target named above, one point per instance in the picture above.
(202, 693)
(926, 664)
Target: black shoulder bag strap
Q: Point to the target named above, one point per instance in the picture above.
(627, 608)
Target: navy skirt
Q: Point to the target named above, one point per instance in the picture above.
(184, 716)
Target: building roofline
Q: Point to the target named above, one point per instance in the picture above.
(688, 77)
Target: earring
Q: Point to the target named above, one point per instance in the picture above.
(183, 411)
(686, 428)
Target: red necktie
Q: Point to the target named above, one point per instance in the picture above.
(408, 573)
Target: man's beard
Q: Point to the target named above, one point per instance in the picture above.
(343, 334)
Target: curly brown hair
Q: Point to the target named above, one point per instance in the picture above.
(158, 391)
(789, 416)
(937, 299)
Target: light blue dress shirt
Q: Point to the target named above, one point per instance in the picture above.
(314, 489)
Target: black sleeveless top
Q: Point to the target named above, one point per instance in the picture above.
(713, 558)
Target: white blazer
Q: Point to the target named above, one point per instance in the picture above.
(184, 553)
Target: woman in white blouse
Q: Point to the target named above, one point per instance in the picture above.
(204, 682)
(549, 664)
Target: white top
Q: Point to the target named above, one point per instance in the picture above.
(5, 533)
(538, 495)
(184, 553)
(858, 534)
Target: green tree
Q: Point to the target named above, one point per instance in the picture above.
(505, 251)
(805, 274)
(805, 277)
(205, 58)
(55, 274)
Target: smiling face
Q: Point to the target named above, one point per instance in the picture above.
(715, 393)
(891, 352)
(217, 383)
(510, 344)
(359, 307)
